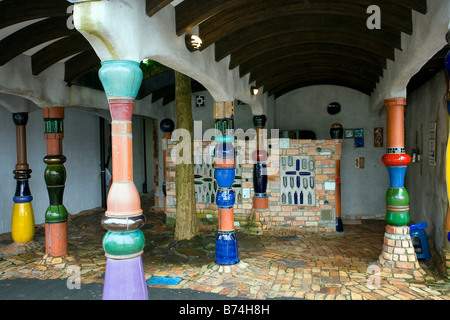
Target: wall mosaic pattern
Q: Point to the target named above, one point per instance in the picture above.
(206, 185)
(297, 181)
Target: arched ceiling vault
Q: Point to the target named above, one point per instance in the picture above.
(283, 45)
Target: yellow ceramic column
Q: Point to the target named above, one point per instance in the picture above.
(22, 222)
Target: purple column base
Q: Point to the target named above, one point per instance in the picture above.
(125, 280)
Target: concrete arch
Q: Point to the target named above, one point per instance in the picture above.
(428, 38)
(16, 104)
(96, 20)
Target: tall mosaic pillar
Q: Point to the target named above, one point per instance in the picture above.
(55, 178)
(398, 251)
(225, 170)
(124, 241)
(22, 222)
(260, 199)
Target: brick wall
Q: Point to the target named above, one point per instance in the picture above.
(318, 217)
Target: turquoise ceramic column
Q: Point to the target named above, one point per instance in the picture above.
(124, 241)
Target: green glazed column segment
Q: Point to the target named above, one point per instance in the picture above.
(53, 126)
(55, 179)
(397, 206)
(126, 243)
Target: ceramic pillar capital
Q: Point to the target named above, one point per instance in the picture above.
(121, 79)
(259, 121)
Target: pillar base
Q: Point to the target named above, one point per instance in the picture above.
(446, 263)
(398, 251)
(125, 280)
(227, 252)
(56, 241)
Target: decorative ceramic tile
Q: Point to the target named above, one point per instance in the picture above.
(349, 134)
(359, 142)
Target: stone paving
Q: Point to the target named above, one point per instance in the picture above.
(279, 263)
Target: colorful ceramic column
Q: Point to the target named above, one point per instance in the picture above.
(22, 222)
(339, 223)
(447, 219)
(337, 133)
(55, 178)
(260, 199)
(124, 241)
(396, 161)
(398, 250)
(167, 126)
(225, 170)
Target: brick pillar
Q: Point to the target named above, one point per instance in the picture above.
(22, 221)
(398, 251)
(124, 241)
(55, 177)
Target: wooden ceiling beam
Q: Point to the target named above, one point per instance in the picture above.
(305, 75)
(416, 5)
(369, 73)
(16, 11)
(310, 24)
(286, 88)
(57, 51)
(284, 41)
(32, 36)
(315, 79)
(80, 64)
(153, 6)
(190, 13)
(294, 23)
(301, 52)
(395, 18)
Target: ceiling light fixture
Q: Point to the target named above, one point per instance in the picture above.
(254, 91)
(193, 42)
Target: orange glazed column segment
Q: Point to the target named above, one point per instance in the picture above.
(122, 149)
(395, 122)
(226, 219)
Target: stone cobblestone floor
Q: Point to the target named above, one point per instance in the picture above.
(279, 263)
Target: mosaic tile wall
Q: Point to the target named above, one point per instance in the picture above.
(206, 186)
(297, 181)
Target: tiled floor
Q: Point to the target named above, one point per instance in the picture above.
(281, 263)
